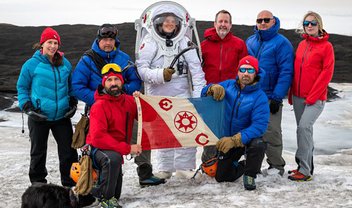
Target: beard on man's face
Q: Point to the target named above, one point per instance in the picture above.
(114, 90)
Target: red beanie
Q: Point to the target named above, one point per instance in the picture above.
(110, 74)
(49, 33)
(249, 60)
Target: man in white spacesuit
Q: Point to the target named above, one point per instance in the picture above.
(185, 79)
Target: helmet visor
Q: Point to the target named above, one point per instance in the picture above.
(167, 25)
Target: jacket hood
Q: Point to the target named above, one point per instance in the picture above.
(269, 33)
(43, 58)
(324, 37)
(211, 35)
(105, 55)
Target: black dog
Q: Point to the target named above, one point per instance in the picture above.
(41, 195)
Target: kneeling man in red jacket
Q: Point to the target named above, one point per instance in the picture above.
(110, 130)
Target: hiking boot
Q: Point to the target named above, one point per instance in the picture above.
(298, 176)
(163, 174)
(111, 203)
(292, 171)
(249, 182)
(152, 181)
(272, 171)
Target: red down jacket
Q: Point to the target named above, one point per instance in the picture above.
(109, 118)
(314, 67)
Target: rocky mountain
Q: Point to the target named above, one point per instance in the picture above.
(16, 47)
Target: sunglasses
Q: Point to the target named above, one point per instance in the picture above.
(249, 70)
(313, 23)
(266, 20)
(111, 68)
(107, 32)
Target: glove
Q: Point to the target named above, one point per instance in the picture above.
(37, 116)
(274, 106)
(28, 106)
(168, 74)
(73, 107)
(217, 91)
(71, 112)
(73, 101)
(227, 143)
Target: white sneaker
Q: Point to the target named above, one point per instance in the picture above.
(163, 174)
(185, 174)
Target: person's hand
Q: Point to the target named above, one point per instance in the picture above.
(168, 74)
(136, 149)
(71, 112)
(274, 106)
(73, 107)
(28, 106)
(217, 91)
(136, 94)
(227, 143)
(36, 116)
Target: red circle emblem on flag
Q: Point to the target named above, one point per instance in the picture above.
(185, 121)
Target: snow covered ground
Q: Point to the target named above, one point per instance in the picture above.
(331, 186)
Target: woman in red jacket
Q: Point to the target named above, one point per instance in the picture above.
(313, 70)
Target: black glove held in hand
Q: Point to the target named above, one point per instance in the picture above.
(168, 74)
(71, 112)
(274, 106)
(28, 106)
(73, 107)
(36, 116)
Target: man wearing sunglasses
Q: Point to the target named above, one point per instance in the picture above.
(88, 75)
(246, 118)
(275, 55)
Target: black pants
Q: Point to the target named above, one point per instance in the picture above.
(109, 164)
(229, 168)
(145, 168)
(39, 133)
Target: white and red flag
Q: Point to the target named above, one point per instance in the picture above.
(168, 122)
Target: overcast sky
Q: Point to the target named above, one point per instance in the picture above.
(337, 15)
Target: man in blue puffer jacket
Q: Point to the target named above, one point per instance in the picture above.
(246, 119)
(275, 55)
(87, 76)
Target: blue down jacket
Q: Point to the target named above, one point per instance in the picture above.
(45, 85)
(247, 110)
(275, 55)
(85, 79)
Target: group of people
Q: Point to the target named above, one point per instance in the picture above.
(252, 77)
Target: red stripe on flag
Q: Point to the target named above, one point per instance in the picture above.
(155, 132)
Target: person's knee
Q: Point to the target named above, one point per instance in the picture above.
(257, 145)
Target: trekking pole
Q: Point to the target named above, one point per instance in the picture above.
(191, 45)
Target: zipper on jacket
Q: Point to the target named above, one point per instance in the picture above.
(259, 52)
(300, 69)
(56, 102)
(127, 118)
(220, 65)
(58, 72)
(233, 108)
